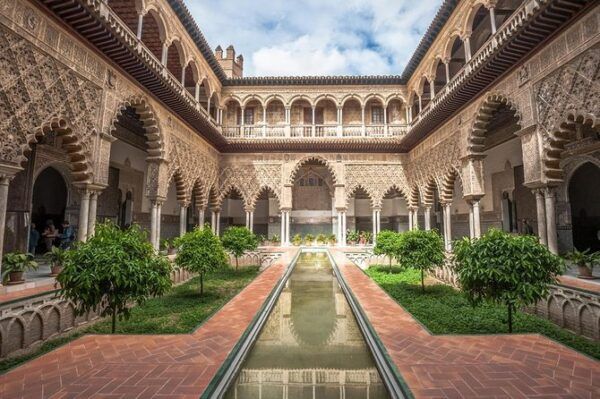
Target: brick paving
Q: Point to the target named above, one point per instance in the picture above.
(143, 366)
(491, 366)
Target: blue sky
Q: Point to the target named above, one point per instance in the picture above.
(316, 37)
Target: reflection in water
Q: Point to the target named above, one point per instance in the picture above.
(310, 346)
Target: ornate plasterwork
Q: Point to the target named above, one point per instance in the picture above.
(376, 180)
(39, 94)
(249, 180)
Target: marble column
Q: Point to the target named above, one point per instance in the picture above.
(427, 216)
(4, 182)
(416, 218)
(140, 26)
(374, 228)
(214, 221)
(201, 217)
(493, 19)
(252, 221)
(287, 227)
(153, 222)
(158, 223)
(182, 219)
(92, 213)
(344, 238)
(447, 211)
(471, 221)
(550, 202)
(541, 216)
(476, 219)
(282, 237)
(84, 213)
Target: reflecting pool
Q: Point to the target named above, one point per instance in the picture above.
(311, 345)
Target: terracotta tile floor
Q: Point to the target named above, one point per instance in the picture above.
(143, 366)
(494, 366)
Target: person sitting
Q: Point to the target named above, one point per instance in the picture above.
(34, 238)
(67, 236)
(50, 233)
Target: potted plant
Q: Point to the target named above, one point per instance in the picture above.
(275, 240)
(352, 237)
(309, 239)
(167, 246)
(261, 239)
(14, 264)
(321, 239)
(56, 257)
(368, 236)
(584, 261)
(297, 240)
(332, 239)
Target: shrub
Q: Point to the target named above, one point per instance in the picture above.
(114, 268)
(309, 239)
(297, 239)
(200, 251)
(275, 238)
(368, 236)
(261, 239)
(321, 238)
(388, 244)
(238, 241)
(506, 269)
(352, 236)
(332, 239)
(17, 262)
(421, 249)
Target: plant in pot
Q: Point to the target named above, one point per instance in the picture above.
(275, 240)
(321, 239)
(368, 237)
(14, 264)
(584, 261)
(297, 240)
(352, 237)
(261, 239)
(56, 257)
(309, 239)
(168, 246)
(332, 239)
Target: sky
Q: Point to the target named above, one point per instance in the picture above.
(316, 37)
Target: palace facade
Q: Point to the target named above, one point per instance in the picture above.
(119, 109)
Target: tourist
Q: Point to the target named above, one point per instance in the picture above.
(67, 236)
(34, 238)
(527, 229)
(50, 233)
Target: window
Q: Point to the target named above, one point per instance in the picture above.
(377, 115)
(249, 116)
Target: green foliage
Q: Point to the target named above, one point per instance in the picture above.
(445, 310)
(309, 239)
(114, 268)
(513, 270)
(388, 244)
(200, 251)
(275, 238)
(16, 262)
(321, 238)
(56, 256)
(261, 239)
(583, 258)
(352, 236)
(167, 244)
(422, 250)
(297, 239)
(367, 235)
(238, 241)
(332, 239)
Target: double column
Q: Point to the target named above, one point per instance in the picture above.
(250, 219)
(474, 218)
(376, 223)
(285, 227)
(183, 207)
(155, 218)
(545, 199)
(341, 227)
(413, 218)
(427, 217)
(215, 221)
(5, 179)
(447, 215)
(87, 212)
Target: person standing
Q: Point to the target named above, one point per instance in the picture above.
(67, 236)
(34, 238)
(50, 233)
(527, 229)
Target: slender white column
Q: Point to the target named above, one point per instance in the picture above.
(197, 92)
(476, 219)
(410, 219)
(467, 43)
(158, 224)
(420, 104)
(314, 121)
(153, 222)
(541, 216)
(432, 88)
(415, 218)
(447, 226)
(201, 217)
(493, 19)
(282, 237)
(339, 228)
(362, 120)
(427, 215)
(252, 221)
(183, 76)
(84, 213)
(340, 119)
(213, 221)
(165, 53)
(140, 26)
(4, 182)
(378, 221)
(447, 67)
(218, 221)
(287, 227)
(374, 217)
(550, 201)
(182, 219)
(344, 238)
(471, 221)
(92, 214)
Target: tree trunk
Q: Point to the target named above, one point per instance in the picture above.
(422, 281)
(201, 284)
(236, 263)
(114, 319)
(510, 318)
(390, 265)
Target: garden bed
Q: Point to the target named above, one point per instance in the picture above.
(181, 310)
(445, 310)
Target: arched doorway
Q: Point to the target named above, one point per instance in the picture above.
(584, 198)
(49, 201)
(312, 200)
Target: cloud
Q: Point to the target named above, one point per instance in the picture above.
(317, 37)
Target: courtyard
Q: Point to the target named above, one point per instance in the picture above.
(176, 222)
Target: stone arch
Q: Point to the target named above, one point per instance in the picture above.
(467, 24)
(447, 186)
(181, 188)
(395, 96)
(228, 189)
(483, 116)
(52, 324)
(152, 28)
(351, 191)
(394, 186)
(414, 196)
(252, 97)
(570, 167)
(428, 191)
(15, 333)
(326, 97)
(570, 316)
(352, 96)
(300, 97)
(312, 157)
(199, 191)
(229, 99)
(262, 189)
(273, 97)
(155, 141)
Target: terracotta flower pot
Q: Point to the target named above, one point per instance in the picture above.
(55, 270)
(584, 272)
(15, 278)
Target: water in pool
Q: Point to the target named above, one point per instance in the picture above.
(310, 346)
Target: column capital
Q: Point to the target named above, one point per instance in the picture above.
(184, 203)
(341, 209)
(7, 172)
